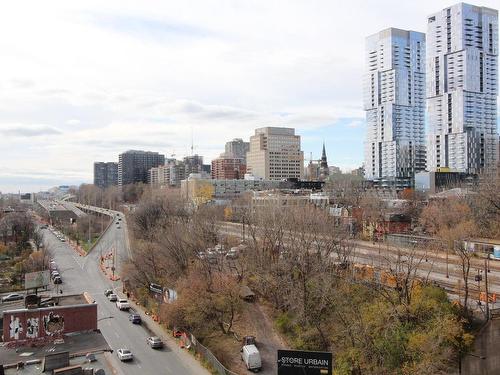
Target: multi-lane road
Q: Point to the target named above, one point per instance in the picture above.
(81, 274)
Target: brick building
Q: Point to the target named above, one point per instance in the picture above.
(228, 168)
(71, 314)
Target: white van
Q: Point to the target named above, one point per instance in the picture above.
(251, 356)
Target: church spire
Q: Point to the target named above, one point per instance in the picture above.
(323, 165)
(323, 154)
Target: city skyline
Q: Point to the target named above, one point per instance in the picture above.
(71, 98)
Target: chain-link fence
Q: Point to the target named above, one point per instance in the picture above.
(209, 357)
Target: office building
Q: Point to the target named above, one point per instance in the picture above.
(275, 154)
(238, 149)
(105, 174)
(462, 88)
(133, 166)
(394, 104)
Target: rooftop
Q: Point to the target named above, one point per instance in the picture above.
(60, 301)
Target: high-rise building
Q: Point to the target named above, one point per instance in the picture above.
(275, 154)
(462, 88)
(394, 104)
(193, 164)
(133, 166)
(105, 174)
(238, 149)
(228, 168)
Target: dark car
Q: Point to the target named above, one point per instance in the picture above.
(135, 318)
(107, 292)
(57, 280)
(155, 342)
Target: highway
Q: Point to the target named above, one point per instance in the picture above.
(81, 274)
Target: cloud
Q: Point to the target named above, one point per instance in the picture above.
(150, 28)
(355, 124)
(28, 130)
(147, 74)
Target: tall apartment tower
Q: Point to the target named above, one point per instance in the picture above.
(105, 174)
(394, 101)
(133, 166)
(275, 154)
(462, 88)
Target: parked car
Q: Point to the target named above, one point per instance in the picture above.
(112, 297)
(124, 355)
(12, 297)
(135, 318)
(57, 280)
(55, 274)
(107, 292)
(122, 304)
(232, 254)
(251, 356)
(155, 342)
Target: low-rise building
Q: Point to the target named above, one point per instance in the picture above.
(49, 317)
(200, 190)
(443, 179)
(289, 198)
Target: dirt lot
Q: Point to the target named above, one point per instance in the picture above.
(256, 321)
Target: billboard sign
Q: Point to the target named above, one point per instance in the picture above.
(297, 362)
(37, 279)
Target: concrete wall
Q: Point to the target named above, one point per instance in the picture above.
(30, 324)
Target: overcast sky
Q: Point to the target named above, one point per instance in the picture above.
(82, 81)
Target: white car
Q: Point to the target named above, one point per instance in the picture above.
(122, 304)
(124, 354)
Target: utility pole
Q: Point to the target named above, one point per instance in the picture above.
(486, 289)
(90, 229)
(447, 272)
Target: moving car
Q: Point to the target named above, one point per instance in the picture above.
(251, 356)
(135, 318)
(112, 297)
(12, 297)
(155, 342)
(107, 292)
(124, 355)
(122, 304)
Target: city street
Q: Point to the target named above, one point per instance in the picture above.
(81, 274)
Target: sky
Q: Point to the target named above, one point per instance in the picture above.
(82, 81)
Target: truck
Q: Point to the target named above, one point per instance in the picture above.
(251, 356)
(122, 304)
